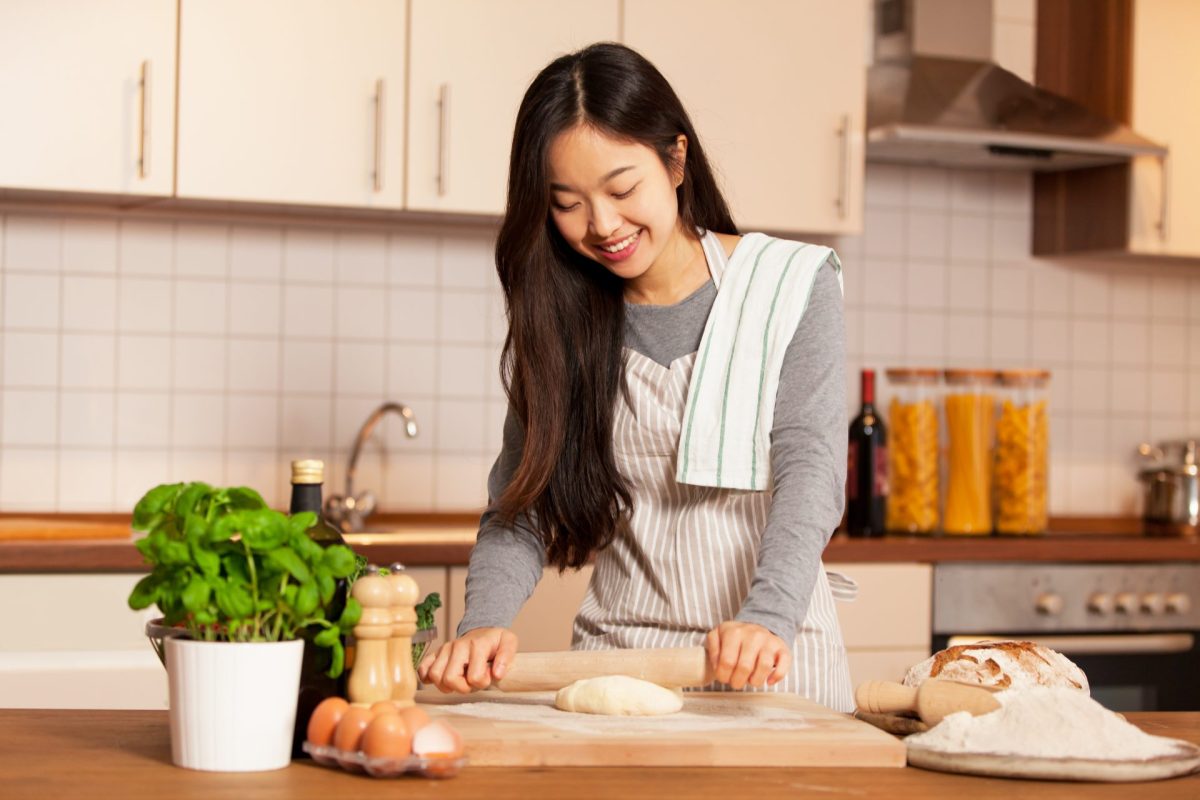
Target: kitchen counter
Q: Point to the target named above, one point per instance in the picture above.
(446, 540)
(72, 753)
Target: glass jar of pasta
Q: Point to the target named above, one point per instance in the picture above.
(1022, 452)
(969, 403)
(913, 450)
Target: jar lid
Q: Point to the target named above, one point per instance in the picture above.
(1177, 456)
(964, 375)
(1023, 377)
(911, 373)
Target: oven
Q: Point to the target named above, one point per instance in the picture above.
(1132, 629)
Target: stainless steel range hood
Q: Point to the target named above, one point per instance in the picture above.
(928, 104)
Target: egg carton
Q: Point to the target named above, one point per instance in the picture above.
(358, 761)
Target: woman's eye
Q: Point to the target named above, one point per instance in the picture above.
(623, 195)
(562, 207)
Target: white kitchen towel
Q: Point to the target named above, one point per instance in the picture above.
(761, 296)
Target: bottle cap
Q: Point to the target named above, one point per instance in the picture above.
(309, 470)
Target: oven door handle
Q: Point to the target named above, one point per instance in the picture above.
(1101, 645)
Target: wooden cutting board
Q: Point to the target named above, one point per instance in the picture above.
(31, 529)
(734, 729)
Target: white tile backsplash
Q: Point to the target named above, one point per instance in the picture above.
(221, 351)
(89, 361)
(32, 302)
(89, 245)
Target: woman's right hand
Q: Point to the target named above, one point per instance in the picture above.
(471, 661)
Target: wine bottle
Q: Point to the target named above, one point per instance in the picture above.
(866, 480)
(315, 685)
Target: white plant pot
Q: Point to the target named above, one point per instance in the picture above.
(233, 705)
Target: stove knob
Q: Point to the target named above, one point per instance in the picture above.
(1049, 604)
(1127, 602)
(1153, 603)
(1100, 603)
(1178, 603)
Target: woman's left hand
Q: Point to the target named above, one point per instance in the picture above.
(742, 653)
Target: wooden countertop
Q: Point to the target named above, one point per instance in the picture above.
(446, 539)
(127, 754)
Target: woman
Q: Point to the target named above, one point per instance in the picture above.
(610, 255)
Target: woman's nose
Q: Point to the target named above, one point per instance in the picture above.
(605, 220)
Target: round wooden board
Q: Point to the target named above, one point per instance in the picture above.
(1057, 769)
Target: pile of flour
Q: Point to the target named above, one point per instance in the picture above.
(1047, 723)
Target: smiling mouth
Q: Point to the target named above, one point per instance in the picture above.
(621, 245)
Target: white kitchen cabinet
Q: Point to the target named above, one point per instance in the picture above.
(887, 629)
(545, 621)
(777, 92)
(471, 62)
(1165, 197)
(292, 101)
(87, 95)
(71, 641)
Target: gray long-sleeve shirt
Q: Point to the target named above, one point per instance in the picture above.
(808, 467)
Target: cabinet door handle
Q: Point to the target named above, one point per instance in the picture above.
(143, 162)
(379, 122)
(843, 198)
(1164, 231)
(443, 179)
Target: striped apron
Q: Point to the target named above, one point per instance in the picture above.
(690, 557)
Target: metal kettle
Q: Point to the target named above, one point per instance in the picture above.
(1171, 478)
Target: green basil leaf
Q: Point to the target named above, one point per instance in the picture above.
(154, 503)
(189, 499)
(263, 529)
(234, 564)
(306, 599)
(287, 558)
(208, 561)
(223, 529)
(351, 614)
(195, 528)
(340, 560)
(145, 592)
(245, 497)
(174, 553)
(325, 585)
(339, 659)
(327, 637)
(195, 596)
(301, 521)
(234, 601)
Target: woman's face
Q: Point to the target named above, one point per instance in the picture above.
(613, 201)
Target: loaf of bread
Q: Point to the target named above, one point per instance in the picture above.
(1001, 665)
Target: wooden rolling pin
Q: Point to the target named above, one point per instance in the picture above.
(666, 666)
(932, 700)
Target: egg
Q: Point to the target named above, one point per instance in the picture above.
(348, 736)
(440, 746)
(387, 737)
(385, 707)
(415, 717)
(323, 722)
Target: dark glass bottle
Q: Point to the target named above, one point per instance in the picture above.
(315, 685)
(866, 480)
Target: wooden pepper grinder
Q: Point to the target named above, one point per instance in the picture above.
(404, 594)
(371, 676)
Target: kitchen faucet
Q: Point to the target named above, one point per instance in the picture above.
(348, 511)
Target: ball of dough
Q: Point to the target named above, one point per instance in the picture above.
(618, 695)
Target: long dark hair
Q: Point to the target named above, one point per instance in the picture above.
(562, 364)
